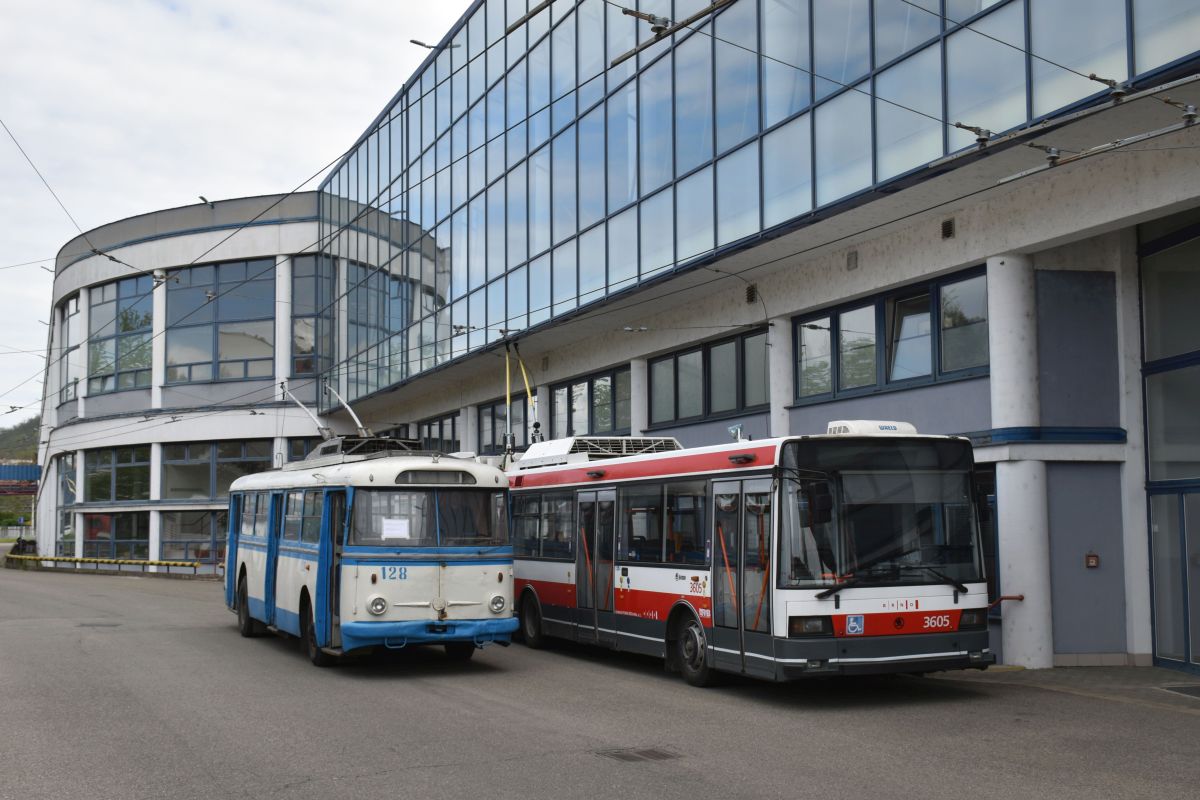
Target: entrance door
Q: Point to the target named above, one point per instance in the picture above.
(274, 527)
(743, 520)
(1175, 542)
(594, 558)
(333, 535)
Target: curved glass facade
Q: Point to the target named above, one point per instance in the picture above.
(515, 179)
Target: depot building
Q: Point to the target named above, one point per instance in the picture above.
(981, 217)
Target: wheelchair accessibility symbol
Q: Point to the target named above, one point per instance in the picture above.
(854, 625)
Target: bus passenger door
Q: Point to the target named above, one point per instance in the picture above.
(743, 520)
(231, 549)
(325, 604)
(594, 566)
(274, 525)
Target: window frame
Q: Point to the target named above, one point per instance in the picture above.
(705, 348)
(136, 288)
(113, 465)
(496, 446)
(611, 373)
(883, 304)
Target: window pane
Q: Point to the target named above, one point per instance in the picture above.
(539, 201)
(497, 237)
(691, 384)
(1174, 426)
(1170, 293)
(622, 148)
(591, 265)
(565, 278)
(909, 354)
(579, 409)
(641, 524)
(784, 73)
(904, 139)
(787, 183)
(654, 97)
(843, 158)
(539, 290)
(737, 74)
(841, 42)
(563, 158)
(662, 390)
(658, 241)
(602, 417)
(558, 414)
(694, 216)
(722, 372)
(187, 481)
(1093, 42)
(189, 345)
(621, 400)
(591, 168)
(1164, 30)
(737, 195)
(856, 347)
(985, 79)
(693, 103)
(964, 324)
(245, 340)
(246, 300)
(622, 249)
(900, 26)
(754, 370)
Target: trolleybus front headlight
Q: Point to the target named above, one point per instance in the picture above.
(973, 619)
(809, 626)
(497, 604)
(376, 604)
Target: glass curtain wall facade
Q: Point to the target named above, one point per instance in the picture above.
(515, 179)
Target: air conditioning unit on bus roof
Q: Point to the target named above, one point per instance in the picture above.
(870, 427)
(593, 448)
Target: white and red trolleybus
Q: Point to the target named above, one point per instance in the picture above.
(857, 551)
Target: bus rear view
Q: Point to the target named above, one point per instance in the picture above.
(880, 565)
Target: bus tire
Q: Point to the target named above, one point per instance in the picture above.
(531, 623)
(247, 625)
(460, 651)
(308, 635)
(691, 654)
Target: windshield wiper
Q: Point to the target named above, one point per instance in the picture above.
(859, 575)
(946, 579)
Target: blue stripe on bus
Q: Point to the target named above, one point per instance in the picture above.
(257, 607)
(287, 621)
(299, 555)
(396, 635)
(250, 544)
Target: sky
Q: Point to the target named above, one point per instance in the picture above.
(131, 106)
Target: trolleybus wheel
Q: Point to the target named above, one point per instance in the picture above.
(691, 654)
(247, 625)
(531, 623)
(308, 634)
(460, 651)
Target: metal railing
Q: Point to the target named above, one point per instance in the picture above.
(118, 562)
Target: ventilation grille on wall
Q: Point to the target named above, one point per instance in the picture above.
(948, 228)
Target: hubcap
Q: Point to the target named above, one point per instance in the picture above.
(693, 646)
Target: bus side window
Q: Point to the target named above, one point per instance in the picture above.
(526, 519)
(686, 531)
(246, 528)
(641, 524)
(293, 515)
(558, 525)
(310, 524)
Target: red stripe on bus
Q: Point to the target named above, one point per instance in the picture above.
(552, 593)
(898, 623)
(646, 604)
(647, 467)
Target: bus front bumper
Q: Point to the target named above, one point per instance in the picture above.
(876, 655)
(395, 635)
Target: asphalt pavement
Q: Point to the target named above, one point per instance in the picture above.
(132, 687)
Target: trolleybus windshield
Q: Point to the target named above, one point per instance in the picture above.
(869, 512)
(429, 518)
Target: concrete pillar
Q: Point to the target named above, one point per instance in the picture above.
(779, 375)
(468, 428)
(1022, 514)
(80, 488)
(158, 339)
(156, 457)
(639, 396)
(283, 322)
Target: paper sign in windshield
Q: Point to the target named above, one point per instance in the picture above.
(395, 528)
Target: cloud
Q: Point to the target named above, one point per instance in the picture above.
(129, 106)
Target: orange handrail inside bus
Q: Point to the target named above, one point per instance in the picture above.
(587, 559)
(762, 557)
(728, 572)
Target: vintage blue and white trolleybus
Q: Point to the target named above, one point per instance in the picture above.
(366, 544)
(857, 551)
